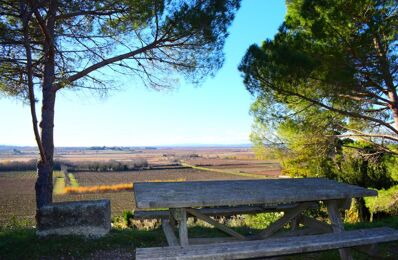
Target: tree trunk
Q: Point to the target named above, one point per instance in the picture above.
(44, 183)
(394, 106)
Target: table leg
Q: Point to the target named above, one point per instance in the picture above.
(169, 233)
(172, 220)
(294, 223)
(181, 216)
(337, 225)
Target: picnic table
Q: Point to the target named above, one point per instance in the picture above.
(203, 199)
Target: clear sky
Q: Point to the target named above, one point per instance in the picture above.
(217, 112)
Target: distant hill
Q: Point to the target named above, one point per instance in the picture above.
(126, 148)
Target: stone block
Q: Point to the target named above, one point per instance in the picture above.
(87, 218)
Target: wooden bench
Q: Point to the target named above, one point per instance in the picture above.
(272, 246)
(201, 198)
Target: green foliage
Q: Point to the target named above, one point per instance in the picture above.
(261, 220)
(128, 215)
(22, 243)
(168, 39)
(358, 165)
(385, 202)
(329, 71)
(15, 223)
(392, 167)
(324, 88)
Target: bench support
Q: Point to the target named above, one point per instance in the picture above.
(216, 224)
(337, 224)
(181, 216)
(289, 215)
(292, 214)
(169, 233)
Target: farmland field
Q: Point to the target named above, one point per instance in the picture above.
(17, 194)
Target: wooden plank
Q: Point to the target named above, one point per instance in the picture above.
(288, 216)
(216, 224)
(337, 224)
(169, 233)
(220, 211)
(271, 247)
(181, 216)
(151, 214)
(241, 192)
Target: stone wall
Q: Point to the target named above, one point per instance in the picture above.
(88, 218)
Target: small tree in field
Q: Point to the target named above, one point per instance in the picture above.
(51, 46)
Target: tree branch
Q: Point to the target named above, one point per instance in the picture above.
(89, 12)
(29, 71)
(105, 62)
(316, 102)
(43, 27)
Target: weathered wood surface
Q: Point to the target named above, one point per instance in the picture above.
(271, 247)
(181, 216)
(169, 233)
(220, 211)
(216, 224)
(337, 224)
(242, 192)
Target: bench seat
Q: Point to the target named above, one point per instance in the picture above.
(272, 246)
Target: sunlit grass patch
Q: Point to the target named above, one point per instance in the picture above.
(73, 181)
(59, 186)
(58, 174)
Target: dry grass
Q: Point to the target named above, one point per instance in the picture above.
(99, 188)
(109, 188)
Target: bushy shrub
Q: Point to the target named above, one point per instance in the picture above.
(261, 220)
(111, 165)
(30, 165)
(386, 202)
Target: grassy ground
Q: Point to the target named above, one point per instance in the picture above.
(18, 242)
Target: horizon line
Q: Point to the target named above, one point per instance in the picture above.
(138, 146)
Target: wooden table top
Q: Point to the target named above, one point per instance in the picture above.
(151, 195)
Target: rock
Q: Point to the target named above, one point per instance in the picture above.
(88, 218)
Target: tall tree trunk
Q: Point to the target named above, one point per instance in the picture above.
(44, 183)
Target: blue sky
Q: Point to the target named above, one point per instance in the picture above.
(217, 112)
